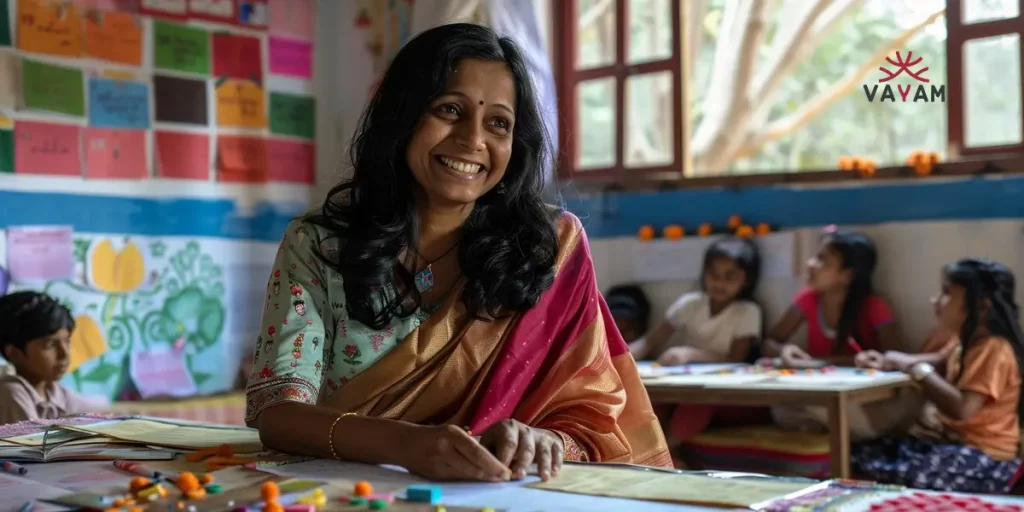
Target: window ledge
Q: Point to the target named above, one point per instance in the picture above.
(640, 181)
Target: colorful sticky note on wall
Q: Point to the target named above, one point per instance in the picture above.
(10, 77)
(47, 148)
(180, 100)
(217, 11)
(172, 9)
(181, 48)
(291, 58)
(182, 155)
(237, 57)
(291, 161)
(161, 373)
(252, 13)
(6, 150)
(53, 28)
(118, 104)
(292, 19)
(240, 104)
(292, 115)
(241, 159)
(40, 253)
(4, 281)
(114, 37)
(115, 154)
(53, 88)
(5, 24)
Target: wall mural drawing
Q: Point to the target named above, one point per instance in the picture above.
(136, 295)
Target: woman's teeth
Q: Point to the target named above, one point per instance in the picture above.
(461, 166)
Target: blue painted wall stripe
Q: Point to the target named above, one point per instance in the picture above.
(147, 216)
(787, 207)
(613, 215)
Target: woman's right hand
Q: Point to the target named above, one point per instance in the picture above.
(793, 356)
(448, 453)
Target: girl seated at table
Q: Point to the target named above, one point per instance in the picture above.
(968, 440)
(720, 323)
(844, 317)
(843, 314)
(630, 310)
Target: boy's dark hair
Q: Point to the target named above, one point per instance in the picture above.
(630, 301)
(28, 315)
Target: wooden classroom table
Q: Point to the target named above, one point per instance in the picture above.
(834, 394)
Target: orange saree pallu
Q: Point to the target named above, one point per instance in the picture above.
(561, 366)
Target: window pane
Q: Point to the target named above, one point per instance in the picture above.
(650, 138)
(650, 30)
(595, 128)
(977, 11)
(992, 110)
(595, 33)
(818, 110)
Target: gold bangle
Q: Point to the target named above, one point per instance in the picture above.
(330, 434)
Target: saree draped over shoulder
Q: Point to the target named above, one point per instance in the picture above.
(561, 366)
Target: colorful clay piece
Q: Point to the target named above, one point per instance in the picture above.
(440, 508)
(384, 496)
(378, 504)
(423, 493)
(363, 489)
(214, 488)
(300, 507)
(356, 501)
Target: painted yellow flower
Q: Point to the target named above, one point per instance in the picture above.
(87, 342)
(117, 272)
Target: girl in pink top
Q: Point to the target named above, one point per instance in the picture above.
(839, 306)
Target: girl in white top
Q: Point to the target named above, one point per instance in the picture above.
(720, 323)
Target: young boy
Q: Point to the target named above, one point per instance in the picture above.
(630, 309)
(35, 333)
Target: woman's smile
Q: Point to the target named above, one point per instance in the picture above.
(459, 168)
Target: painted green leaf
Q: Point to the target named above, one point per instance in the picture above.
(201, 377)
(102, 373)
(211, 321)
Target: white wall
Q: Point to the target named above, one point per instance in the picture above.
(911, 256)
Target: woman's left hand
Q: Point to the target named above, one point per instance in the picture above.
(518, 446)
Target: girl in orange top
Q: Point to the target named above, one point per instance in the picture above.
(971, 442)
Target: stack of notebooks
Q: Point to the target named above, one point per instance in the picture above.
(135, 438)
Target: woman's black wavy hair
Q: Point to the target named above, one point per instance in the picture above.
(508, 244)
(985, 280)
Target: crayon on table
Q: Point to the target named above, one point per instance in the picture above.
(137, 469)
(12, 468)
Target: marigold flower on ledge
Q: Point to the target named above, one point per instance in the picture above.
(646, 233)
(705, 229)
(673, 232)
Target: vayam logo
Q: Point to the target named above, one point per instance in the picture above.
(915, 85)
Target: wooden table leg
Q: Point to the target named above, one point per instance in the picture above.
(839, 436)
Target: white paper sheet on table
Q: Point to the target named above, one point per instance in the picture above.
(16, 491)
(512, 496)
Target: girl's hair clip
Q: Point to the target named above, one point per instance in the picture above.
(831, 228)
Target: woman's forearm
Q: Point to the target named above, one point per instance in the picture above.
(771, 348)
(304, 429)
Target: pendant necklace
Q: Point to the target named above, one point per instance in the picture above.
(424, 279)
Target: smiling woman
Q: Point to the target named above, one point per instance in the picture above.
(435, 295)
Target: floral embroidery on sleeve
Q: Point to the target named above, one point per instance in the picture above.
(286, 365)
(572, 450)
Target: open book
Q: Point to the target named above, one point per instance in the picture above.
(89, 448)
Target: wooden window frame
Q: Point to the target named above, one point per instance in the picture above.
(957, 34)
(569, 78)
(961, 161)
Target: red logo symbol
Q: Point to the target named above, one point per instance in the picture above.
(903, 65)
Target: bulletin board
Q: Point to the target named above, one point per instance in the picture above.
(205, 90)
